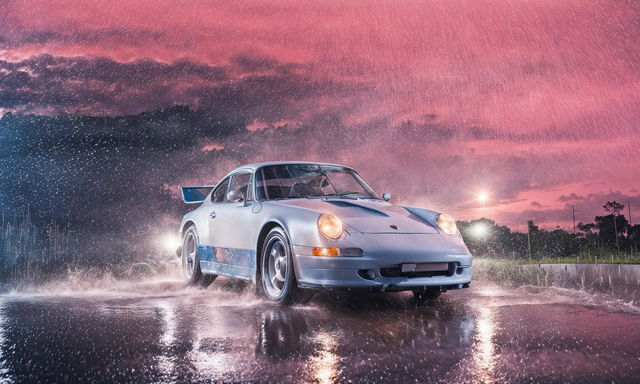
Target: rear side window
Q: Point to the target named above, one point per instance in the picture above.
(219, 194)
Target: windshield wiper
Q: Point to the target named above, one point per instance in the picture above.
(360, 195)
(321, 196)
(333, 195)
(347, 195)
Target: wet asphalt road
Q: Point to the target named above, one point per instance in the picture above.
(161, 332)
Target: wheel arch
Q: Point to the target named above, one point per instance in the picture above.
(188, 224)
(264, 231)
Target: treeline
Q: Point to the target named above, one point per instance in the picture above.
(608, 233)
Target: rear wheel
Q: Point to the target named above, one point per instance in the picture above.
(191, 261)
(278, 277)
(424, 295)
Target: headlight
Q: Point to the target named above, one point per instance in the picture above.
(330, 226)
(447, 224)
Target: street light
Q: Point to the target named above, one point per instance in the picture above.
(482, 197)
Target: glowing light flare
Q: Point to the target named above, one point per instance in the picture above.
(170, 241)
(482, 197)
(479, 230)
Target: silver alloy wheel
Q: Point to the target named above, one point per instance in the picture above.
(276, 268)
(189, 256)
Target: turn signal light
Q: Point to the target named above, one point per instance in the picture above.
(325, 252)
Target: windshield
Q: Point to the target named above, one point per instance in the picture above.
(293, 181)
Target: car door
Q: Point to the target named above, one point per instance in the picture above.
(230, 223)
(207, 245)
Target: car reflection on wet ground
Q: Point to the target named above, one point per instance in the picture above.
(163, 332)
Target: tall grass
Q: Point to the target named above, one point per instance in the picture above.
(33, 252)
(26, 251)
(595, 256)
(509, 272)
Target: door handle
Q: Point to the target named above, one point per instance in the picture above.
(212, 214)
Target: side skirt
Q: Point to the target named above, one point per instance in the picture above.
(212, 267)
(233, 262)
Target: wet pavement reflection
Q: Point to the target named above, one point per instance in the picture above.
(166, 333)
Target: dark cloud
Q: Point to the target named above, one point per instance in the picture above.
(99, 86)
(19, 37)
(570, 197)
(252, 64)
(102, 170)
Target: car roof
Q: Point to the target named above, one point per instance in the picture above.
(255, 166)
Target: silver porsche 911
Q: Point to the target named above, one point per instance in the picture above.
(295, 227)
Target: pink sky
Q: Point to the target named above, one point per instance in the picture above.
(540, 100)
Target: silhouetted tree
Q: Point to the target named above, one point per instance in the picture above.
(484, 237)
(589, 234)
(615, 208)
(608, 227)
(633, 235)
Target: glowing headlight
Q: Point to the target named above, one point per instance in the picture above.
(447, 224)
(330, 226)
(170, 241)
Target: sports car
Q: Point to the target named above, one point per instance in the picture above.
(295, 227)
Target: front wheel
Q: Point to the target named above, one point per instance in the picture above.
(191, 261)
(277, 274)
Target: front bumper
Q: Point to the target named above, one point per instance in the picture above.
(382, 255)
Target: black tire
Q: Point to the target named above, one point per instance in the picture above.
(274, 283)
(424, 295)
(191, 260)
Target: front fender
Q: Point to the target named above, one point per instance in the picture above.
(299, 223)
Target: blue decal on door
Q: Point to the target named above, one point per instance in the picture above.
(206, 253)
(234, 262)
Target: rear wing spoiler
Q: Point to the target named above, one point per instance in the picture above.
(195, 195)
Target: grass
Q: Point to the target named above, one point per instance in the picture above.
(524, 273)
(594, 257)
(28, 252)
(518, 272)
(507, 272)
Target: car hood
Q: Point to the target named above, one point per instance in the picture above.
(366, 216)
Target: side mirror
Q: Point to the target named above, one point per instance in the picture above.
(386, 196)
(235, 197)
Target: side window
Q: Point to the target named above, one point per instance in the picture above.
(240, 183)
(220, 193)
